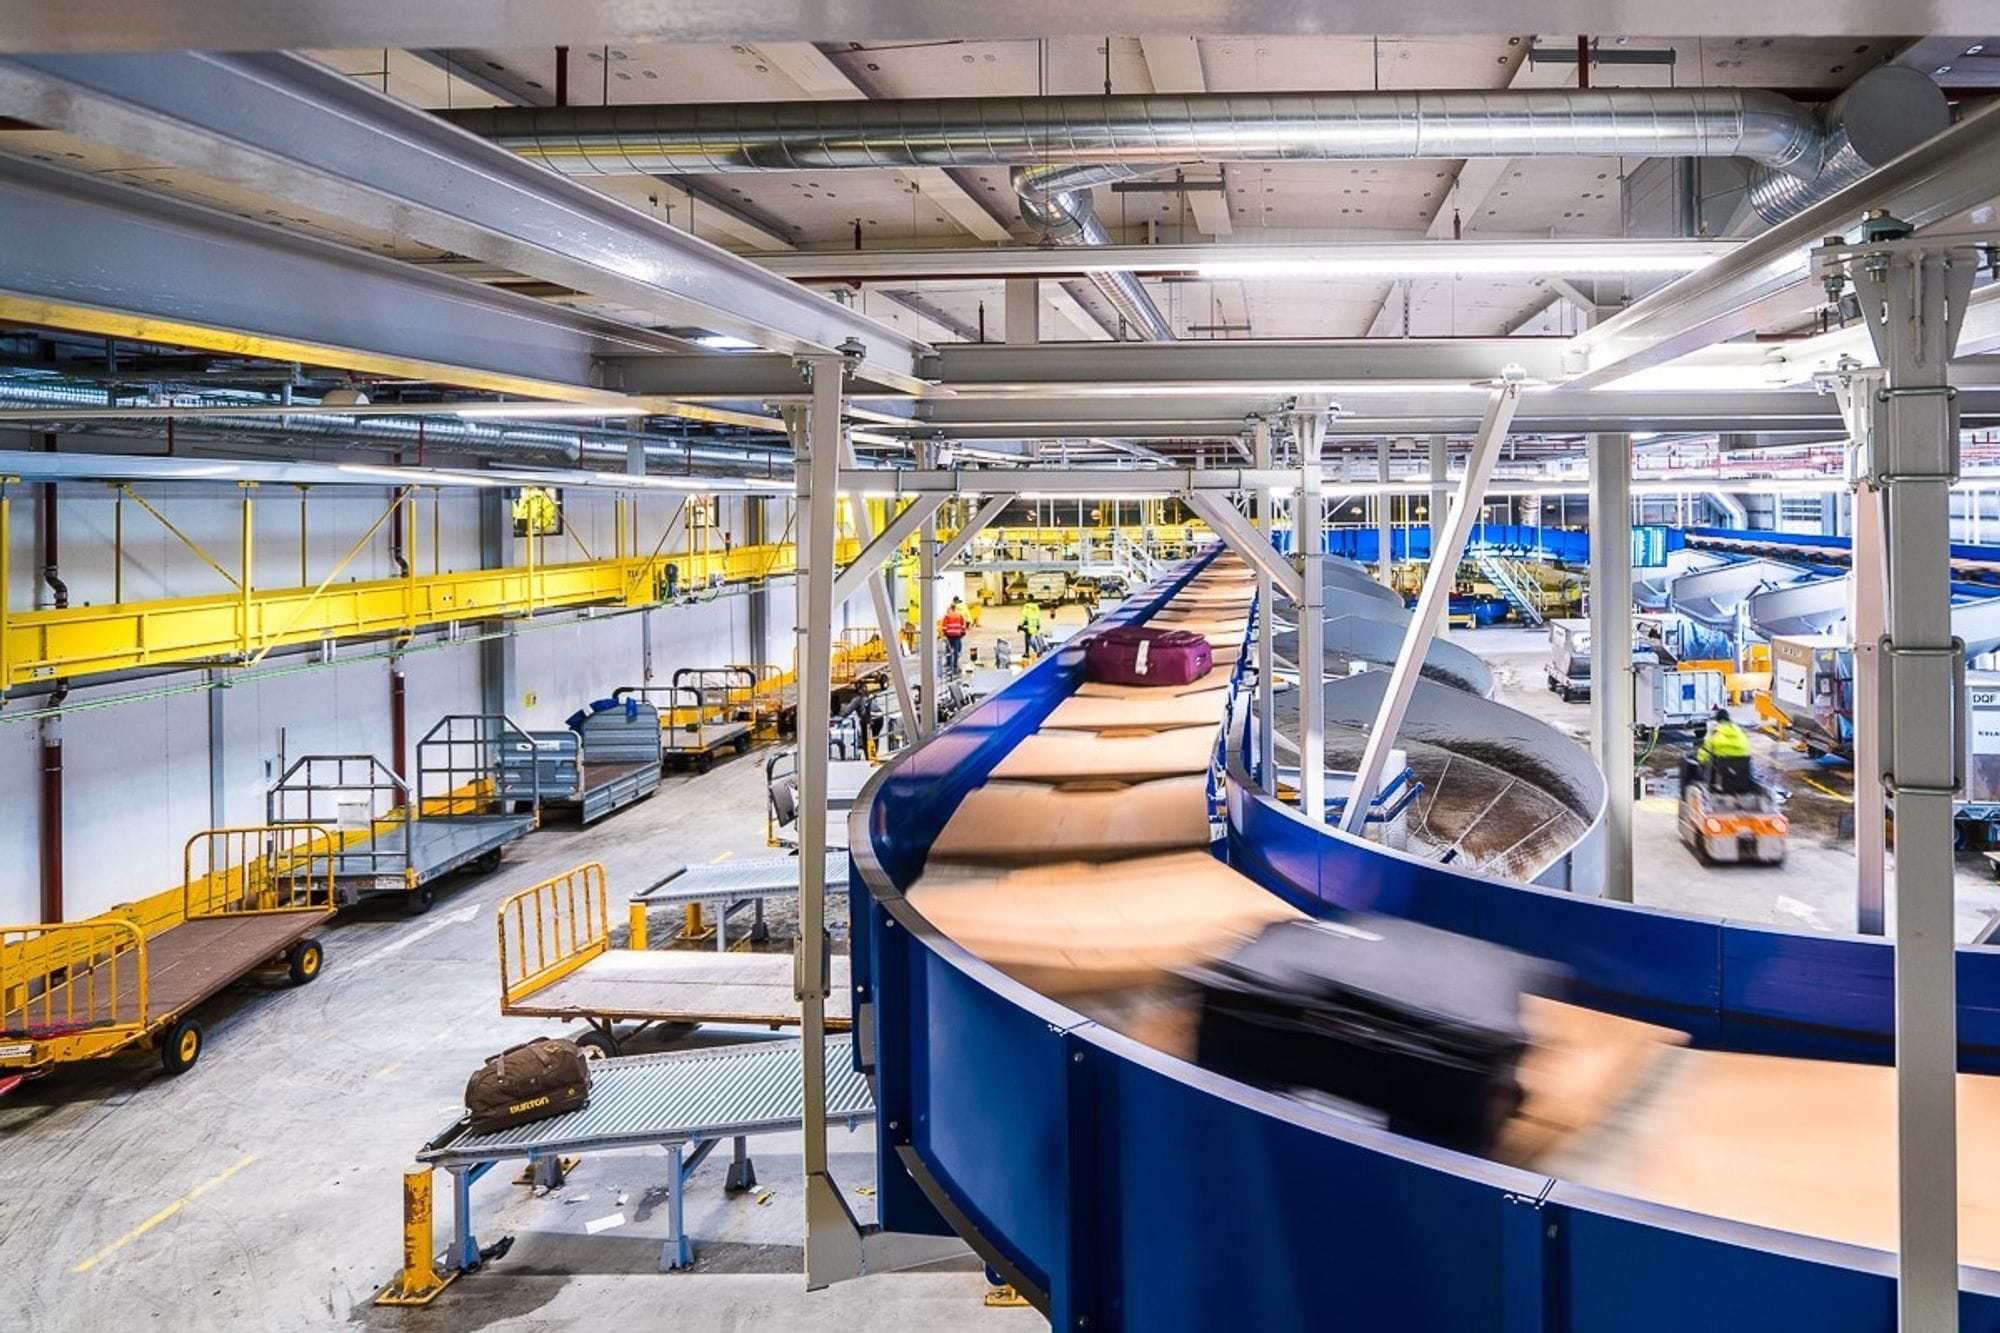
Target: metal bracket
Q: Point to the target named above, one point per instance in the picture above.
(800, 982)
(1922, 673)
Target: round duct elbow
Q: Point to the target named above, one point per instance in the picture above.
(1887, 112)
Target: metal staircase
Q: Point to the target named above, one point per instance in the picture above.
(1506, 579)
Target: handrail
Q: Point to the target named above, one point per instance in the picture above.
(258, 869)
(569, 916)
(73, 987)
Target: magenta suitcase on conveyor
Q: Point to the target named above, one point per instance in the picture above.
(1135, 655)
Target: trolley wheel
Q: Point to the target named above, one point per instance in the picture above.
(488, 862)
(181, 1046)
(306, 957)
(742, 744)
(597, 1044)
(420, 899)
(703, 762)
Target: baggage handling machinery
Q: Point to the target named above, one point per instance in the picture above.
(80, 990)
(687, 1102)
(728, 887)
(402, 841)
(608, 758)
(557, 961)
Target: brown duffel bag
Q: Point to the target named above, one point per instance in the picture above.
(533, 1081)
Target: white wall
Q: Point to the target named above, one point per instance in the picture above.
(138, 772)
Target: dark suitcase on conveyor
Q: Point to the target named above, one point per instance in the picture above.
(1419, 1024)
(533, 1081)
(1135, 655)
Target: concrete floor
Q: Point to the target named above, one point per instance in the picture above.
(1813, 890)
(261, 1190)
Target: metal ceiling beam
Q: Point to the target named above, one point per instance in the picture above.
(96, 256)
(1084, 370)
(1767, 281)
(1369, 260)
(296, 131)
(173, 25)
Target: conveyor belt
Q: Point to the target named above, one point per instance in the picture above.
(643, 1100)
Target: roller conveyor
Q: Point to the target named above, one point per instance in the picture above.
(1646, 1188)
(687, 1102)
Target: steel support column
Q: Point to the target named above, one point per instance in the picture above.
(833, 1248)
(496, 649)
(1440, 489)
(1611, 649)
(1385, 516)
(1867, 581)
(1913, 299)
(1309, 539)
(1432, 603)
(1267, 657)
(927, 613)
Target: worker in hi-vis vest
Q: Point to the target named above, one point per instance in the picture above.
(1725, 751)
(953, 626)
(1031, 626)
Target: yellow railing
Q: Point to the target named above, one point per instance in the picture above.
(70, 990)
(84, 640)
(550, 930)
(258, 868)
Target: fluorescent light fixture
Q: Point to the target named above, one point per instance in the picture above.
(1582, 261)
(726, 342)
(546, 411)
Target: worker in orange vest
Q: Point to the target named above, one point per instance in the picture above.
(953, 626)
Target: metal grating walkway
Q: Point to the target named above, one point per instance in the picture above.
(678, 1097)
(763, 875)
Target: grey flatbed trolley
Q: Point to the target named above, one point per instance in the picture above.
(729, 886)
(399, 839)
(606, 760)
(686, 1102)
(706, 712)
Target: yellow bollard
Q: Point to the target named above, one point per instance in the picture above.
(419, 1282)
(636, 914)
(695, 928)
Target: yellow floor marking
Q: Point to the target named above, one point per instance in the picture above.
(1822, 787)
(720, 857)
(160, 1216)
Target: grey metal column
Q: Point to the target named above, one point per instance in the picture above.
(1385, 526)
(1440, 488)
(496, 650)
(1309, 538)
(1267, 659)
(218, 760)
(1913, 299)
(1432, 604)
(1024, 310)
(833, 1247)
(927, 612)
(757, 613)
(1611, 649)
(1867, 579)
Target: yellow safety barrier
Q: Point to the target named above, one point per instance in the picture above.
(70, 990)
(551, 929)
(258, 868)
(419, 1281)
(635, 916)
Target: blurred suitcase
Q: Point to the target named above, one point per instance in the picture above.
(1136, 655)
(1419, 1024)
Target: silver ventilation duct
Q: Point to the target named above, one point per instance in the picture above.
(499, 441)
(1062, 145)
(1886, 113)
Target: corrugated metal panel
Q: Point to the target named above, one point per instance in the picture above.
(685, 1095)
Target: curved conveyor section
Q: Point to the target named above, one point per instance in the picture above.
(1373, 643)
(1652, 590)
(1713, 596)
(1502, 793)
(1028, 1064)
